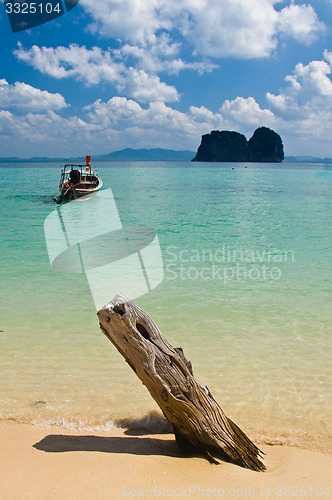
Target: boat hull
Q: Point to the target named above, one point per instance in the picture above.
(79, 192)
(72, 193)
(77, 181)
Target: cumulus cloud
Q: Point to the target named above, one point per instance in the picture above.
(312, 79)
(224, 28)
(304, 105)
(161, 56)
(309, 89)
(91, 66)
(247, 111)
(227, 28)
(134, 20)
(95, 66)
(147, 88)
(5, 117)
(24, 97)
(300, 22)
(107, 126)
(41, 134)
(158, 119)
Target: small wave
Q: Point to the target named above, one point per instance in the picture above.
(63, 423)
(151, 423)
(320, 442)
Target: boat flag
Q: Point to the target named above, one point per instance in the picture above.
(87, 162)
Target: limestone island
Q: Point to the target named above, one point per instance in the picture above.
(264, 146)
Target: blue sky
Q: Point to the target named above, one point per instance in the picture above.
(112, 74)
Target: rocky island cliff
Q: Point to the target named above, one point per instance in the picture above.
(264, 146)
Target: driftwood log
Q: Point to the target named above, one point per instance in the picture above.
(200, 425)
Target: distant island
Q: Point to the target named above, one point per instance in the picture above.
(155, 154)
(128, 154)
(307, 159)
(226, 146)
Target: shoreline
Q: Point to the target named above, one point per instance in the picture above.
(39, 462)
(154, 423)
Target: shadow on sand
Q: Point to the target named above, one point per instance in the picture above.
(57, 443)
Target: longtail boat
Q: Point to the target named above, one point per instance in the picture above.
(77, 181)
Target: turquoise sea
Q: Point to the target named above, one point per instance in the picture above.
(247, 293)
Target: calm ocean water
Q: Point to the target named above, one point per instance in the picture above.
(246, 293)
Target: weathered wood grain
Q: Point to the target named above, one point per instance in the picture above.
(199, 423)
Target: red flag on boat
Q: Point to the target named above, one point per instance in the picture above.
(87, 162)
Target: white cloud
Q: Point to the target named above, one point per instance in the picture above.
(5, 118)
(158, 119)
(105, 127)
(300, 22)
(309, 90)
(90, 66)
(48, 133)
(241, 29)
(328, 55)
(204, 115)
(312, 79)
(223, 28)
(247, 111)
(304, 106)
(146, 88)
(134, 20)
(161, 56)
(24, 97)
(94, 66)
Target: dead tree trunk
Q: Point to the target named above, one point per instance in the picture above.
(199, 423)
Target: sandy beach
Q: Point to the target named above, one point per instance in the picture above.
(51, 463)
